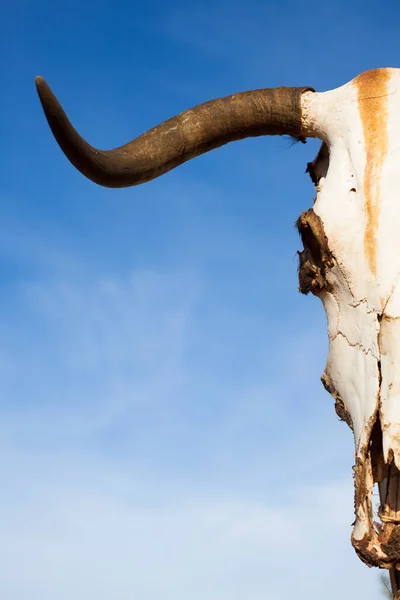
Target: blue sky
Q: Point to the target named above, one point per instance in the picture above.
(163, 429)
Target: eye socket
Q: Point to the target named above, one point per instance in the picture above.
(312, 173)
(318, 168)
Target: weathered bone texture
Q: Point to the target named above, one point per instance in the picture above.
(357, 175)
(351, 256)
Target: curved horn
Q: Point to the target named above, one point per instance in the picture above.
(274, 111)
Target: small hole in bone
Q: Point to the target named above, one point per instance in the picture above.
(353, 189)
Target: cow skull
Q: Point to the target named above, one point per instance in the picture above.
(351, 256)
(352, 262)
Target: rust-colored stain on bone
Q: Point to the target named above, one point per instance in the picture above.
(372, 89)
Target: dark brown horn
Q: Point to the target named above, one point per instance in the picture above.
(274, 111)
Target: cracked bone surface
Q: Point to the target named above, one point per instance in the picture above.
(351, 256)
(357, 207)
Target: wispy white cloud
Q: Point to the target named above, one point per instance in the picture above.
(92, 345)
(129, 473)
(90, 530)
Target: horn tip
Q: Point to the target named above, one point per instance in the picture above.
(40, 82)
(46, 96)
(43, 87)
